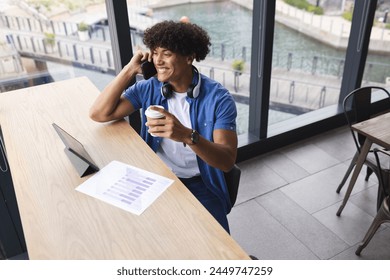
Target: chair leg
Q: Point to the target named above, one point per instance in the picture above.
(382, 216)
(359, 164)
(380, 196)
(349, 170)
(370, 233)
(368, 174)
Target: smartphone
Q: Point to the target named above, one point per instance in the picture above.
(148, 69)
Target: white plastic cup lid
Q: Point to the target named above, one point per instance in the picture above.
(150, 113)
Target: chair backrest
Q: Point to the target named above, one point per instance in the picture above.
(357, 107)
(232, 179)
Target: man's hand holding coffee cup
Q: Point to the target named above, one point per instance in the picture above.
(161, 123)
(153, 114)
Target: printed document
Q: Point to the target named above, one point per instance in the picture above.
(125, 186)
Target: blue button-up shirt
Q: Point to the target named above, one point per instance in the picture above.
(214, 108)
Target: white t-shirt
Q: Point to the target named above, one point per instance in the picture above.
(181, 160)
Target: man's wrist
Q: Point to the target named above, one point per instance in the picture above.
(192, 138)
(129, 71)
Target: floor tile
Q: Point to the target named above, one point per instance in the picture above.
(350, 226)
(259, 234)
(318, 191)
(322, 241)
(338, 143)
(285, 167)
(377, 249)
(367, 200)
(310, 157)
(257, 179)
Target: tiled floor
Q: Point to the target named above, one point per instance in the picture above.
(287, 203)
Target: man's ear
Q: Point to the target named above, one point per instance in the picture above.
(190, 59)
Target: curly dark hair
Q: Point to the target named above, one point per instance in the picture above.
(178, 37)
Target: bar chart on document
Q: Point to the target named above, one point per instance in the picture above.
(124, 186)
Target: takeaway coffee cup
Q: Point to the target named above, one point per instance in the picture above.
(153, 114)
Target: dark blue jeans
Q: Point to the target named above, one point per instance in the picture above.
(208, 199)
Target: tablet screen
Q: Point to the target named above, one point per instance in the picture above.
(74, 145)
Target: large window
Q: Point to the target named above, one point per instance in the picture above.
(377, 68)
(308, 60)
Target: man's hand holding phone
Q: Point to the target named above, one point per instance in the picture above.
(148, 69)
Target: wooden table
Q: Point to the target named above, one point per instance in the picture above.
(62, 223)
(376, 130)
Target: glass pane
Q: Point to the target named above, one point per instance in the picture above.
(377, 68)
(44, 41)
(229, 26)
(308, 60)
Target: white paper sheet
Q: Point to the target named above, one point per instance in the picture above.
(125, 186)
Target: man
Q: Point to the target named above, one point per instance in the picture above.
(197, 137)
